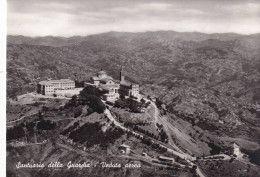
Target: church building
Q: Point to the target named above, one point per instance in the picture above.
(114, 87)
(127, 88)
(107, 83)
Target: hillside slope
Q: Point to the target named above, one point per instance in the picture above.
(205, 79)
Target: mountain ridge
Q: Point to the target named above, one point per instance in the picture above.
(217, 80)
(57, 41)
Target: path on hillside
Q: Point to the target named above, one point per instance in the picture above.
(178, 133)
(109, 115)
(156, 115)
(167, 125)
(21, 118)
(181, 155)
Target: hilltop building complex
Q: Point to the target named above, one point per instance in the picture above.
(114, 87)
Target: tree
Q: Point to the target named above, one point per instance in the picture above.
(95, 103)
(45, 109)
(90, 96)
(40, 115)
(77, 112)
(120, 104)
(15, 133)
(122, 96)
(79, 83)
(73, 101)
(90, 90)
(90, 111)
(46, 125)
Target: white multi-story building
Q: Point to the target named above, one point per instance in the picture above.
(49, 87)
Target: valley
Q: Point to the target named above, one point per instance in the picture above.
(200, 92)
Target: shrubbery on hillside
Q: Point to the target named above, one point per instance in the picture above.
(15, 133)
(254, 156)
(46, 125)
(133, 105)
(90, 96)
(91, 134)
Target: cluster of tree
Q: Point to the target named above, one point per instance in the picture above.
(30, 127)
(194, 120)
(146, 140)
(158, 103)
(160, 126)
(77, 112)
(91, 134)
(131, 124)
(90, 96)
(133, 97)
(163, 136)
(159, 148)
(145, 104)
(214, 149)
(15, 133)
(46, 125)
(218, 157)
(133, 105)
(146, 132)
(79, 83)
(254, 156)
(72, 103)
(94, 103)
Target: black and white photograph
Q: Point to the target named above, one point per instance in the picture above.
(132, 88)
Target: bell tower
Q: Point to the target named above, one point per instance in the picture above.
(122, 77)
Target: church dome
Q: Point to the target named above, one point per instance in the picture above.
(101, 72)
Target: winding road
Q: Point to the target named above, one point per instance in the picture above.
(181, 154)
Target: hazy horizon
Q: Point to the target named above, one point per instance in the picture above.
(66, 18)
(130, 32)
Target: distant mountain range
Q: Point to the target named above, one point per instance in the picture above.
(200, 76)
(163, 35)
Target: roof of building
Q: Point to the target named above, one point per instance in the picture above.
(61, 80)
(125, 83)
(124, 145)
(45, 83)
(109, 87)
(105, 79)
(235, 145)
(95, 78)
(50, 82)
(101, 72)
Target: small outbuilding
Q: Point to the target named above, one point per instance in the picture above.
(166, 159)
(124, 149)
(236, 150)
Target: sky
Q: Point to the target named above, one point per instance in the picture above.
(84, 17)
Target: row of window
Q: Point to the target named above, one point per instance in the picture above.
(49, 91)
